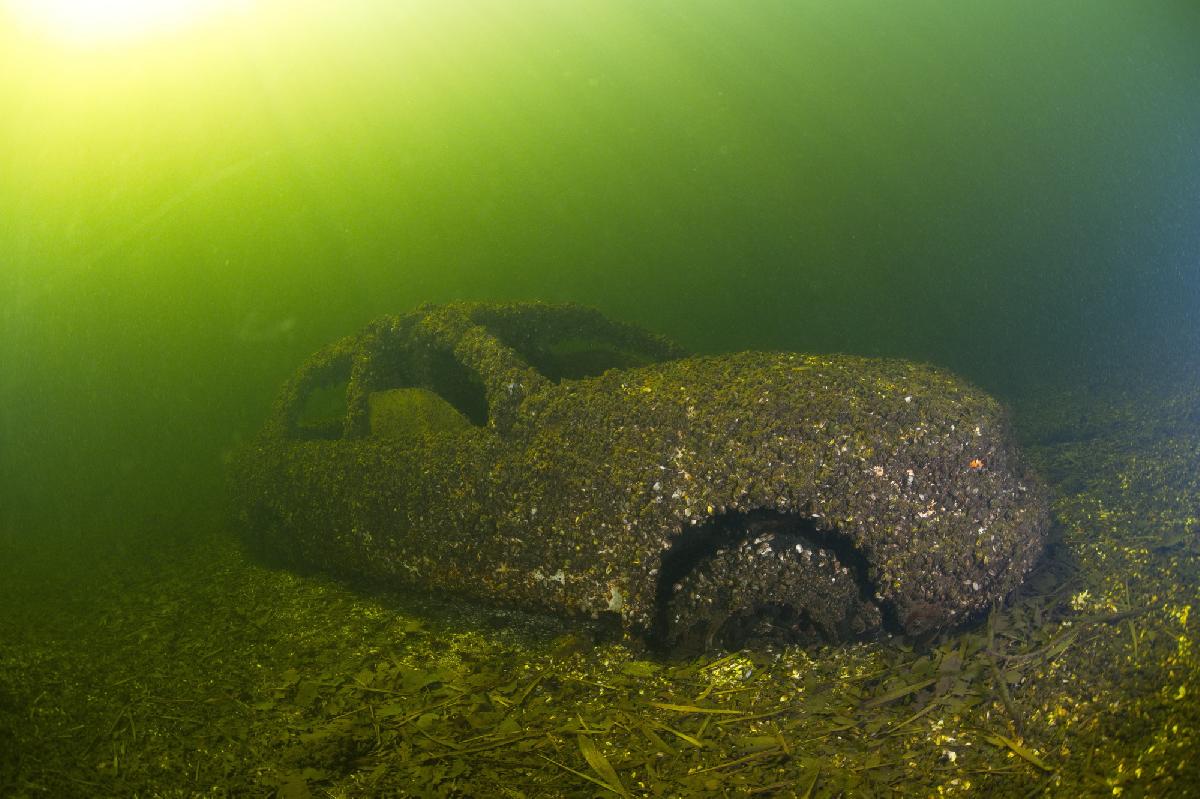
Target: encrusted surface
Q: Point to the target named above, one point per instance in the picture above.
(577, 494)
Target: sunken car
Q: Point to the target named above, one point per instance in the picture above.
(547, 457)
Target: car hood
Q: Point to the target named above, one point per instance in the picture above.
(901, 474)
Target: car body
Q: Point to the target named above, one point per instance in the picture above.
(548, 457)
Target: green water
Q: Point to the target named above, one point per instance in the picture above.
(1007, 189)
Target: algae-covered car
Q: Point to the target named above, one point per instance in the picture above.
(545, 456)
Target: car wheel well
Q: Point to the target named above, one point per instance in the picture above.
(749, 577)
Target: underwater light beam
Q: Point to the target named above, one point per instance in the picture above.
(107, 21)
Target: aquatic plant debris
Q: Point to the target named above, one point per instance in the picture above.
(193, 671)
(545, 456)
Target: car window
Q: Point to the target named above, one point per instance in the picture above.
(321, 411)
(415, 385)
(568, 342)
(387, 382)
(462, 388)
(575, 358)
(401, 375)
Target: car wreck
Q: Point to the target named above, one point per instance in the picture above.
(547, 457)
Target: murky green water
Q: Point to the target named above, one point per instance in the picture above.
(1006, 189)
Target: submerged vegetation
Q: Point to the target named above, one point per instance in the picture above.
(193, 671)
